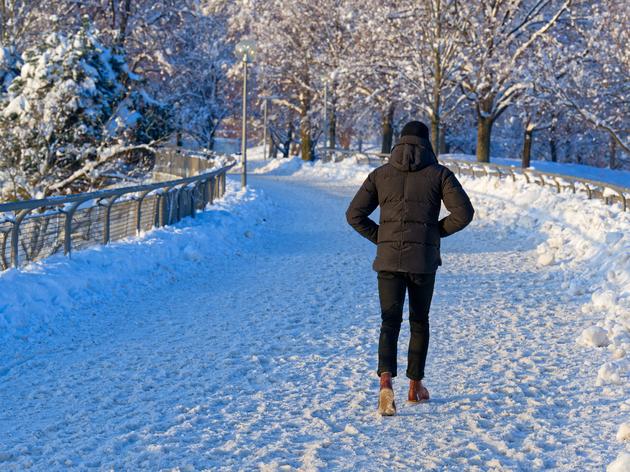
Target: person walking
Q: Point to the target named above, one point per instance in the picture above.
(409, 190)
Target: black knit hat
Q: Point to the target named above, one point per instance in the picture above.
(415, 128)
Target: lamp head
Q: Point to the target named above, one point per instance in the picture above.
(246, 50)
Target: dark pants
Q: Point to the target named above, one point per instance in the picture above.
(391, 289)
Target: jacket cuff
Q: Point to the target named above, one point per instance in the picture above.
(374, 235)
(443, 232)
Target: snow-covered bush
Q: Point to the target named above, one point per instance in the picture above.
(9, 67)
(140, 119)
(56, 118)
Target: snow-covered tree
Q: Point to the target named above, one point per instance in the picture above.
(497, 36)
(592, 70)
(199, 87)
(301, 47)
(19, 21)
(370, 68)
(426, 36)
(56, 115)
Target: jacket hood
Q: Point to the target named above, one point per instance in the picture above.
(412, 154)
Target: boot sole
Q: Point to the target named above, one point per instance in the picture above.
(386, 403)
(417, 401)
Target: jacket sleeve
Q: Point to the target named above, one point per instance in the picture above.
(361, 206)
(457, 203)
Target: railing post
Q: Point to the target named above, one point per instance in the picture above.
(141, 198)
(107, 223)
(15, 237)
(164, 210)
(512, 174)
(67, 237)
(557, 184)
(588, 190)
(193, 209)
(205, 193)
(178, 192)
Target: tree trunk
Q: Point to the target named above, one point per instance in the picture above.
(527, 147)
(124, 21)
(553, 148)
(211, 137)
(553, 144)
(613, 154)
(286, 152)
(306, 146)
(388, 130)
(435, 134)
(484, 129)
(332, 123)
(443, 148)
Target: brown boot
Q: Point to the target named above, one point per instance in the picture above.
(386, 403)
(417, 392)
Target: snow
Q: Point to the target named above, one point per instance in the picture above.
(594, 336)
(621, 464)
(623, 433)
(59, 282)
(246, 339)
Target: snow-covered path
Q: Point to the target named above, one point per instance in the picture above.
(266, 361)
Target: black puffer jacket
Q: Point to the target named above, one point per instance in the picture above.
(409, 189)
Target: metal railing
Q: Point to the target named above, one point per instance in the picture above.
(609, 193)
(32, 230)
(183, 162)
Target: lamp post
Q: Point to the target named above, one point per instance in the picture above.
(265, 131)
(326, 114)
(245, 49)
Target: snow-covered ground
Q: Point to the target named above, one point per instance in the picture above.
(246, 340)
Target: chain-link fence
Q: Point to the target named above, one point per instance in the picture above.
(35, 229)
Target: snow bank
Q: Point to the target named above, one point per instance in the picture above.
(621, 464)
(36, 298)
(594, 336)
(579, 236)
(347, 171)
(623, 434)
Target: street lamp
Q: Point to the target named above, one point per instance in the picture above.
(245, 50)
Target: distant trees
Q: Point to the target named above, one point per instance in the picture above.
(563, 62)
(497, 37)
(528, 77)
(427, 36)
(301, 46)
